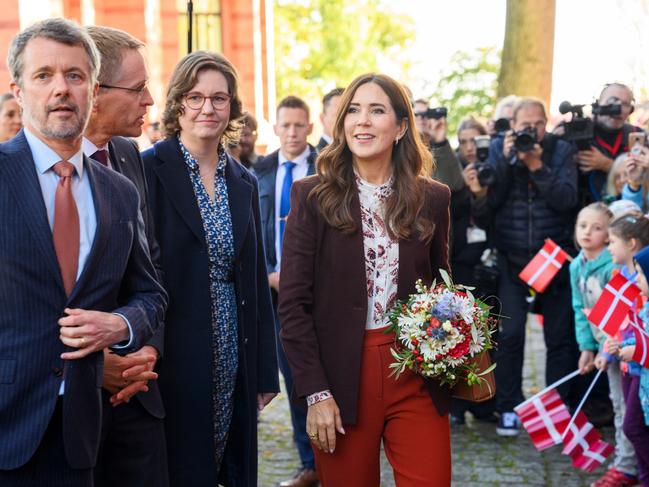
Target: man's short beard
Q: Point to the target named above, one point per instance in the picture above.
(63, 131)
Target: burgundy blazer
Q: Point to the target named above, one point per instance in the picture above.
(323, 294)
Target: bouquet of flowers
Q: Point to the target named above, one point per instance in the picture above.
(441, 331)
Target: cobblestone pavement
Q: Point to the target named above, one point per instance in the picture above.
(480, 457)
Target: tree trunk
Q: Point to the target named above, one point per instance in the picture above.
(526, 68)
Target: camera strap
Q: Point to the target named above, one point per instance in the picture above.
(612, 149)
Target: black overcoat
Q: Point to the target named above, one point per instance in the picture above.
(186, 368)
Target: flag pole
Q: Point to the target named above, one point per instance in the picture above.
(551, 386)
(581, 404)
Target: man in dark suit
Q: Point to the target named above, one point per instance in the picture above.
(247, 140)
(132, 448)
(328, 116)
(75, 272)
(276, 172)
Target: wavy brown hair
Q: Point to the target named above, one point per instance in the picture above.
(185, 77)
(412, 163)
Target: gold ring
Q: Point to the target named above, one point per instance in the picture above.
(83, 342)
(313, 436)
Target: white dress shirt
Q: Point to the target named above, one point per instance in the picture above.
(299, 171)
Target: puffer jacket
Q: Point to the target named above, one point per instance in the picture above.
(528, 207)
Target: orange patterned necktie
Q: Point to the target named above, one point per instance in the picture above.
(66, 225)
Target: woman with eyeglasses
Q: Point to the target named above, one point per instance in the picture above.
(219, 365)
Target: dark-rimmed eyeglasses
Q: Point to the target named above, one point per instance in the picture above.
(139, 90)
(195, 101)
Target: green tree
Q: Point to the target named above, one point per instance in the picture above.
(321, 44)
(469, 86)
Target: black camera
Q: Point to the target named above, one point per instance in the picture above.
(580, 129)
(502, 125)
(525, 139)
(486, 172)
(436, 113)
(611, 110)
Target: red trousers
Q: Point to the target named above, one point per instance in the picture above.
(400, 412)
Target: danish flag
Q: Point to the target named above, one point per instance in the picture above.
(614, 303)
(584, 445)
(641, 353)
(544, 266)
(545, 418)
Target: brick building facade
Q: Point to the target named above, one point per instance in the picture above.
(239, 29)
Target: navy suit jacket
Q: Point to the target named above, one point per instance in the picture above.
(118, 277)
(126, 159)
(186, 374)
(266, 171)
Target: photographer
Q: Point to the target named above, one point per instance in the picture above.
(502, 115)
(432, 126)
(468, 242)
(610, 139)
(533, 197)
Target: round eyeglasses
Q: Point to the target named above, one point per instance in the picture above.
(195, 101)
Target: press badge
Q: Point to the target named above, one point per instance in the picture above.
(475, 235)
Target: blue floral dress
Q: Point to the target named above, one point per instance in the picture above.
(217, 223)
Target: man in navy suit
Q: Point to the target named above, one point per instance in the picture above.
(75, 271)
(276, 172)
(132, 451)
(330, 104)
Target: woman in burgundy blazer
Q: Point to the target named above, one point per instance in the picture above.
(339, 352)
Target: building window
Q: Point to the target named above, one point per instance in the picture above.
(206, 29)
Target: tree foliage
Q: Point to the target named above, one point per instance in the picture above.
(469, 86)
(321, 44)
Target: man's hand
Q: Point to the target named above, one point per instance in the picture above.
(273, 280)
(126, 376)
(323, 419)
(508, 144)
(264, 398)
(470, 175)
(593, 160)
(532, 159)
(90, 331)
(437, 130)
(586, 362)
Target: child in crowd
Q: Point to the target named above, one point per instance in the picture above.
(590, 271)
(636, 420)
(627, 235)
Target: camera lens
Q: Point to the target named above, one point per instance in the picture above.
(525, 140)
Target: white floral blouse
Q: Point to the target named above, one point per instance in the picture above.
(381, 253)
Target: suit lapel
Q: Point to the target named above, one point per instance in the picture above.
(313, 155)
(102, 199)
(19, 171)
(357, 244)
(118, 161)
(114, 161)
(239, 199)
(174, 177)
